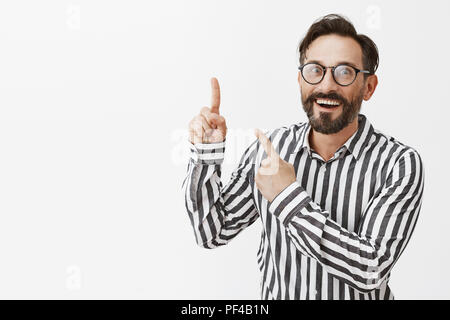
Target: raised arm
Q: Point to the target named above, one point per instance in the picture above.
(217, 214)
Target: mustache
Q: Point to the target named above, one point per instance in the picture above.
(332, 95)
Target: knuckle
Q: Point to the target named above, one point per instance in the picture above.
(206, 113)
(204, 110)
(205, 119)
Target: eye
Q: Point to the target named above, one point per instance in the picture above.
(344, 71)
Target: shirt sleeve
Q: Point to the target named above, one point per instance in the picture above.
(218, 214)
(362, 259)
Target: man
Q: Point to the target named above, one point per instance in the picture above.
(338, 200)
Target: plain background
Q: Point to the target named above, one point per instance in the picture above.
(95, 100)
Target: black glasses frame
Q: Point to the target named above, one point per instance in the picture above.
(332, 72)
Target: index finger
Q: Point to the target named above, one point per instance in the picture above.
(215, 95)
(267, 145)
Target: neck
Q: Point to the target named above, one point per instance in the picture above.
(327, 144)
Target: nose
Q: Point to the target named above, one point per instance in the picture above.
(328, 84)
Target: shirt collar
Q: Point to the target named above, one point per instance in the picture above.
(355, 144)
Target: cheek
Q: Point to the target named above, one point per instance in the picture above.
(355, 93)
(305, 91)
(303, 95)
(349, 93)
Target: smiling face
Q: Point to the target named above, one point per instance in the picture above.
(329, 106)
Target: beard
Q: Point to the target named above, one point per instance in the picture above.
(324, 123)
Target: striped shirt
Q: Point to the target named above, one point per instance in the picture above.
(334, 233)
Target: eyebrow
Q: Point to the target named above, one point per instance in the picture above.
(340, 62)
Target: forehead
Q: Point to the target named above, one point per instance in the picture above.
(333, 49)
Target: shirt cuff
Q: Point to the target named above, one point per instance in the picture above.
(207, 153)
(289, 202)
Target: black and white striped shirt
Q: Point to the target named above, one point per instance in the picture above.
(335, 233)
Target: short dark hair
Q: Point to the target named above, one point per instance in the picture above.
(338, 24)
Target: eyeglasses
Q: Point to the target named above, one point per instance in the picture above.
(343, 74)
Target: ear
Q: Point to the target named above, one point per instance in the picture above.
(370, 85)
(299, 76)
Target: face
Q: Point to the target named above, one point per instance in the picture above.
(331, 50)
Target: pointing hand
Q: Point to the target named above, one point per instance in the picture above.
(275, 174)
(209, 126)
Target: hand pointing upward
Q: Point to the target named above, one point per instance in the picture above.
(275, 174)
(209, 126)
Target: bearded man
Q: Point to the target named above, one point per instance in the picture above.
(338, 200)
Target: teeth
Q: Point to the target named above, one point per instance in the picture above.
(329, 102)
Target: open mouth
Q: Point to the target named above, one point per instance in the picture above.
(328, 104)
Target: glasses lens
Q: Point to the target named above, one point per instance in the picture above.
(312, 73)
(344, 75)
